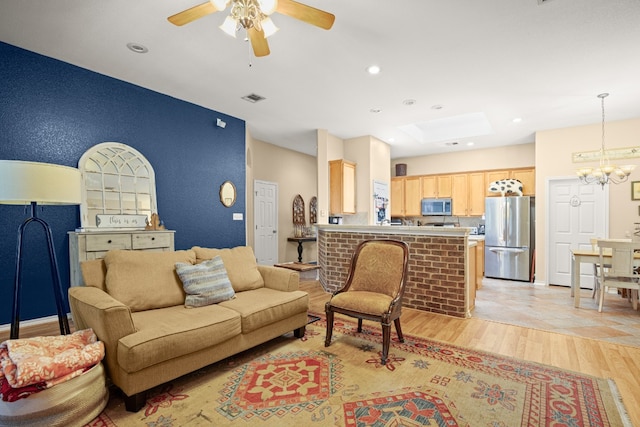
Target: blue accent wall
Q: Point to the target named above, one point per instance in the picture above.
(51, 111)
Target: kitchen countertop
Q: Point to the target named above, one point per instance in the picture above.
(476, 236)
(403, 229)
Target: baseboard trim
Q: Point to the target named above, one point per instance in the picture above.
(34, 322)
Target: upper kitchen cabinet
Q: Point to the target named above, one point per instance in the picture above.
(406, 196)
(397, 197)
(436, 186)
(468, 194)
(528, 179)
(476, 193)
(526, 176)
(459, 194)
(342, 187)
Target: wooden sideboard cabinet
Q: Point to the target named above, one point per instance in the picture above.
(87, 245)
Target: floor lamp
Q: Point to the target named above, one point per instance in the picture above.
(32, 183)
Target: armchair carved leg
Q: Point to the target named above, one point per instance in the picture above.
(398, 329)
(359, 324)
(329, 314)
(386, 341)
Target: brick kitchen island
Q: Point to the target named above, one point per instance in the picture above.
(441, 277)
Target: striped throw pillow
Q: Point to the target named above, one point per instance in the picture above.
(205, 283)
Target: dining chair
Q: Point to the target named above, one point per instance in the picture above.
(373, 289)
(620, 271)
(594, 248)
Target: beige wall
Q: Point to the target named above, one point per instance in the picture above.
(551, 154)
(513, 156)
(372, 157)
(329, 147)
(554, 149)
(295, 173)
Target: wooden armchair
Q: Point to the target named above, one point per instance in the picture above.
(373, 289)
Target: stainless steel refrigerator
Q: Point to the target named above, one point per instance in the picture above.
(509, 237)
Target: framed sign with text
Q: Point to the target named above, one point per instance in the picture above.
(121, 221)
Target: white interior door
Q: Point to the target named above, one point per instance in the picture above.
(577, 212)
(265, 214)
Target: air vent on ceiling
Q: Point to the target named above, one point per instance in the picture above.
(253, 98)
(451, 144)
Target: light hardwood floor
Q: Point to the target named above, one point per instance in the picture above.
(587, 355)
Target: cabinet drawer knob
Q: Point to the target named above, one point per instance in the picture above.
(108, 241)
(153, 238)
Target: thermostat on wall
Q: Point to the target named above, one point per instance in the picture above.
(237, 216)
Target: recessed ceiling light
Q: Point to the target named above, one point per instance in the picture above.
(137, 48)
(373, 69)
(392, 140)
(375, 110)
(409, 102)
(470, 144)
(517, 120)
(437, 107)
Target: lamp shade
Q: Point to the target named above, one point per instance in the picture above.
(44, 183)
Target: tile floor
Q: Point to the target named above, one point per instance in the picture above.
(550, 308)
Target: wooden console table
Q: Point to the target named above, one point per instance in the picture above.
(300, 241)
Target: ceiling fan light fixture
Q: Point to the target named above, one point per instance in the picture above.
(219, 4)
(268, 27)
(229, 26)
(268, 6)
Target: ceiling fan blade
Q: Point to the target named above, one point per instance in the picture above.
(305, 13)
(192, 13)
(259, 43)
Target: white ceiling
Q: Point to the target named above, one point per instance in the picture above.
(493, 59)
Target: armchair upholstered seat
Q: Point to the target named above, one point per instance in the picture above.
(374, 289)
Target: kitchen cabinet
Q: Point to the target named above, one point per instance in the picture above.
(436, 186)
(468, 194)
(459, 194)
(342, 187)
(527, 176)
(476, 189)
(88, 245)
(406, 196)
(397, 197)
(412, 196)
(479, 263)
(471, 279)
(528, 179)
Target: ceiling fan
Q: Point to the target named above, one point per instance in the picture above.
(253, 16)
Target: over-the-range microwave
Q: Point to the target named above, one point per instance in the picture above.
(436, 206)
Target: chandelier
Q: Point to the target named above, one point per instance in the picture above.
(605, 173)
(248, 14)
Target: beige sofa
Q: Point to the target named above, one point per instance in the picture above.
(135, 303)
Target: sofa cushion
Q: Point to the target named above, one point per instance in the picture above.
(264, 306)
(205, 283)
(146, 280)
(171, 332)
(240, 263)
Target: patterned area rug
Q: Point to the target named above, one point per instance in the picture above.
(299, 382)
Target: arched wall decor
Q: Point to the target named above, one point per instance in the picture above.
(117, 180)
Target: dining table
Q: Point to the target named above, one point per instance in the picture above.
(587, 256)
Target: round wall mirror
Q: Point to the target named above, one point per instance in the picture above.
(227, 193)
